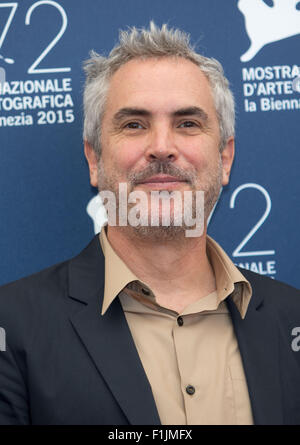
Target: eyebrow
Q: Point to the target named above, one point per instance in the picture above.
(181, 112)
(191, 111)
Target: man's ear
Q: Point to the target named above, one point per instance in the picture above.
(92, 160)
(227, 157)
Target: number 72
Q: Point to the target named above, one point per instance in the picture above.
(33, 68)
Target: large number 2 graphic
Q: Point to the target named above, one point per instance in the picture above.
(237, 252)
(33, 68)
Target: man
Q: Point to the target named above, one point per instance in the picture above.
(148, 325)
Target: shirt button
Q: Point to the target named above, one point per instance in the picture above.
(190, 390)
(145, 291)
(180, 321)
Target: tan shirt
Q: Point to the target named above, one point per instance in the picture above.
(191, 359)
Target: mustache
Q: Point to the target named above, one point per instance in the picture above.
(162, 167)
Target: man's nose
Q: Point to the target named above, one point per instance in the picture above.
(161, 146)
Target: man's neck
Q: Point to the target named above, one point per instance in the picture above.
(179, 273)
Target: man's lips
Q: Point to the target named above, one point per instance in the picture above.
(161, 180)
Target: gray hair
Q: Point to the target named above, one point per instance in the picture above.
(143, 44)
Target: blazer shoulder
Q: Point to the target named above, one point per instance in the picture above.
(29, 299)
(31, 306)
(273, 291)
(40, 303)
(50, 278)
(46, 287)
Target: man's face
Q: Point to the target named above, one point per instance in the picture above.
(160, 121)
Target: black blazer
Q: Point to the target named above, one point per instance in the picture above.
(66, 364)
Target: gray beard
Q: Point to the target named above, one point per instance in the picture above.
(170, 232)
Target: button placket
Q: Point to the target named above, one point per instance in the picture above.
(188, 382)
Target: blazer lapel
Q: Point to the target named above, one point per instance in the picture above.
(108, 338)
(258, 339)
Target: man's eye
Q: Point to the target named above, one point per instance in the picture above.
(187, 124)
(134, 125)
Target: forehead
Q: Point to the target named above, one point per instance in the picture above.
(160, 85)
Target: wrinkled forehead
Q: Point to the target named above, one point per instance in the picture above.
(160, 84)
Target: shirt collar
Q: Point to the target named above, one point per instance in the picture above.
(114, 282)
(229, 280)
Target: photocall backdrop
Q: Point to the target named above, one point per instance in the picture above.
(48, 209)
